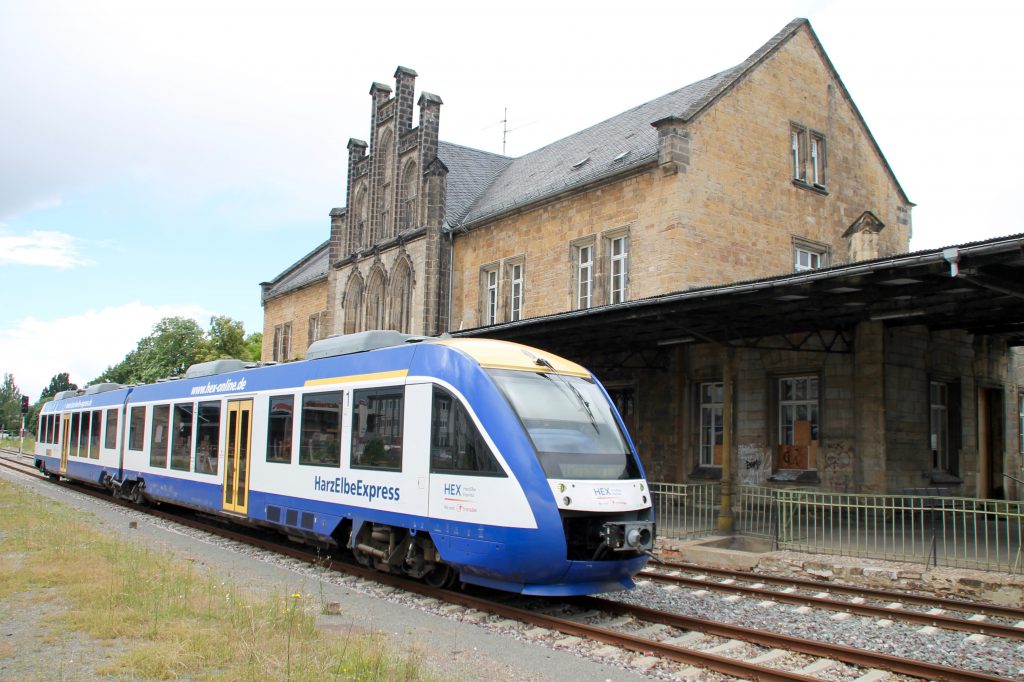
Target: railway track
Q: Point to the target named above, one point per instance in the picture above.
(944, 613)
(705, 644)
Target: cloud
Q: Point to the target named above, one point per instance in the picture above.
(35, 350)
(47, 249)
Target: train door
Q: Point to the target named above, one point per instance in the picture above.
(236, 471)
(65, 442)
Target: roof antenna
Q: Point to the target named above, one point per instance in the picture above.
(504, 131)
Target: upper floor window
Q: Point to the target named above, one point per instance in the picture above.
(798, 152)
(584, 275)
(315, 327)
(282, 342)
(808, 156)
(817, 159)
(515, 307)
(619, 270)
(490, 295)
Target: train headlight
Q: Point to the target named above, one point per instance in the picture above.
(566, 500)
(561, 487)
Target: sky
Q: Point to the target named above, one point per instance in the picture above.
(163, 158)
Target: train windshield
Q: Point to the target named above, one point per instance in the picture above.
(571, 425)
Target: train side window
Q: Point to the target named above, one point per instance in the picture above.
(279, 429)
(110, 435)
(377, 415)
(320, 435)
(75, 419)
(456, 446)
(181, 437)
(158, 437)
(208, 437)
(94, 434)
(54, 429)
(136, 428)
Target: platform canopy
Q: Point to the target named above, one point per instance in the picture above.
(976, 287)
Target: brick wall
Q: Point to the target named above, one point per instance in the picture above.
(294, 307)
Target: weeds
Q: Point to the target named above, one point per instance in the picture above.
(168, 618)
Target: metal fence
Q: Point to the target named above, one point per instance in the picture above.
(930, 529)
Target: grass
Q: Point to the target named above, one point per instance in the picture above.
(165, 618)
(29, 446)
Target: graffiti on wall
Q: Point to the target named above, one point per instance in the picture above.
(755, 464)
(837, 467)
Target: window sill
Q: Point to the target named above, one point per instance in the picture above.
(818, 189)
(706, 473)
(794, 476)
(945, 478)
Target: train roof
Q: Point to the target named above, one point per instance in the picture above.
(367, 355)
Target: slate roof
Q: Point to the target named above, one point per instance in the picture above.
(306, 270)
(623, 142)
(470, 172)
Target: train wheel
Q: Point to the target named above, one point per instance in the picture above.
(52, 476)
(441, 577)
(137, 496)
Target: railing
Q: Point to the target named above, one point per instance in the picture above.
(686, 510)
(930, 529)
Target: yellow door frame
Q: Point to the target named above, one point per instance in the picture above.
(65, 441)
(238, 456)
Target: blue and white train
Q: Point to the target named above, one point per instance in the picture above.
(485, 461)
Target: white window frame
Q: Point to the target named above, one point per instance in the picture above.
(584, 276)
(618, 270)
(810, 401)
(490, 311)
(712, 415)
(818, 151)
(809, 254)
(515, 297)
(798, 151)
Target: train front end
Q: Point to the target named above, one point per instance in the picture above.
(592, 474)
(566, 444)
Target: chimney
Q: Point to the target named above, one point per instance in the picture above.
(405, 90)
(673, 145)
(430, 114)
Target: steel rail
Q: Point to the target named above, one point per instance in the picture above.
(934, 620)
(1008, 612)
(859, 657)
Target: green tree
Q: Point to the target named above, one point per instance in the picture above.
(226, 339)
(176, 343)
(59, 382)
(10, 404)
(254, 346)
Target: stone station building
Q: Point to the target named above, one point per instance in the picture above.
(760, 187)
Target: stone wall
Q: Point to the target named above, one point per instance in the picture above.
(730, 212)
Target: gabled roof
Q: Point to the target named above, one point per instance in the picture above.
(470, 172)
(305, 271)
(628, 140)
